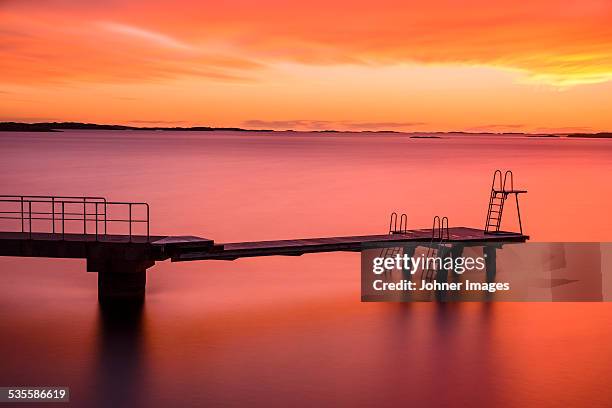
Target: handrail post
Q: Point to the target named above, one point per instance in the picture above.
(403, 223)
(84, 217)
(445, 228)
(105, 210)
(63, 235)
(96, 206)
(392, 224)
(30, 217)
(147, 206)
(22, 220)
(518, 212)
(433, 228)
(130, 220)
(53, 214)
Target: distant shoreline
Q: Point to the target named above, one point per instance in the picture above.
(61, 126)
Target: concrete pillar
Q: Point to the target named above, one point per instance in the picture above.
(406, 273)
(490, 253)
(122, 282)
(442, 273)
(121, 286)
(456, 252)
(408, 251)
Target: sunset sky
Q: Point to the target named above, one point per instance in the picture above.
(470, 65)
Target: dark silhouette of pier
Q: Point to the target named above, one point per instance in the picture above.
(114, 237)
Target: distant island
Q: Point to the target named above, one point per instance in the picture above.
(602, 135)
(59, 126)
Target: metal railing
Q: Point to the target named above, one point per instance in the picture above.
(439, 234)
(69, 209)
(403, 223)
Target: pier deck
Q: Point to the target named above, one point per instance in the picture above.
(296, 247)
(190, 248)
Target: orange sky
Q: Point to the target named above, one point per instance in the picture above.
(400, 65)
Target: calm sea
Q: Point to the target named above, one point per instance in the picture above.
(291, 331)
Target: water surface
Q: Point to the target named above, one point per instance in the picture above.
(291, 330)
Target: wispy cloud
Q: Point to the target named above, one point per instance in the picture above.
(55, 52)
(150, 36)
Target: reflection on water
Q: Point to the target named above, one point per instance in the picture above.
(323, 352)
(519, 272)
(291, 330)
(120, 369)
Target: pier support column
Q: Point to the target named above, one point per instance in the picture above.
(408, 251)
(456, 251)
(490, 254)
(442, 273)
(123, 282)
